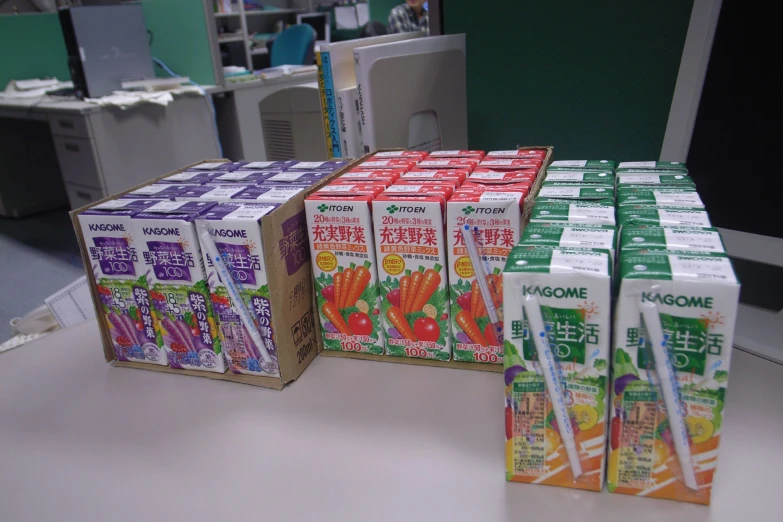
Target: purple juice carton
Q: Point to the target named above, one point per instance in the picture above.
(268, 165)
(168, 248)
(221, 166)
(158, 191)
(245, 176)
(268, 193)
(121, 279)
(236, 230)
(305, 177)
(218, 192)
(195, 177)
(321, 166)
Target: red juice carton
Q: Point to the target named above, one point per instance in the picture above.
(422, 189)
(417, 155)
(411, 254)
(389, 175)
(453, 182)
(511, 163)
(494, 221)
(169, 249)
(342, 246)
(370, 189)
(389, 163)
(441, 154)
(509, 176)
(448, 163)
(517, 154)
(459, 174)
(121, 279)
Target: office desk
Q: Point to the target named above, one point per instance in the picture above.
(239, 118)
(103, 150)
(349, 441)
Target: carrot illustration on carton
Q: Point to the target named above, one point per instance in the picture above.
(411, 257)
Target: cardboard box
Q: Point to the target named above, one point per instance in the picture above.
(287, 257)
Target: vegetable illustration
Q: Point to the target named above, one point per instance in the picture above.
(429, 283)
(358, 284)
(489, 334)
(338, 285)
(617, 427)
(328, 293)
(359, 323)
(397, 318)
(180, 335)
(124, 332)
(431, 311)
(511, 372)
(394, 297)
(426, 329)
(332, 313)
(495, 283)
(405, 283)
(509, 422)
(469, 326)
(347, 280)
(416, 279)
(464, 301)
(476, 301)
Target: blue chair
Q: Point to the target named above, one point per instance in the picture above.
(293, 46)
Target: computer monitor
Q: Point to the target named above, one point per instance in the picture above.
(319, 22)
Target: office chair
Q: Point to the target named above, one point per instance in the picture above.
(293, 46)
(373, 28)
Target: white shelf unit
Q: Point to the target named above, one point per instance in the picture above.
(238, 20)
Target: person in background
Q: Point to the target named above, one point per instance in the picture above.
(409, 17)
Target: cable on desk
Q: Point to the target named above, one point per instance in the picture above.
(202, 91)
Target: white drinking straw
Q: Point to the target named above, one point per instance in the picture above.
(549, 367)
(481, 280)
(671, 398)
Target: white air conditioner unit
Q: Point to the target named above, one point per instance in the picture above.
(292, 124)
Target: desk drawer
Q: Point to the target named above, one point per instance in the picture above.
(78, 195)
(77, 161)
(64, 124)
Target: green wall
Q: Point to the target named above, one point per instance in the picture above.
(179, 39)
(594, 79)
(379, 9)
(31, 46)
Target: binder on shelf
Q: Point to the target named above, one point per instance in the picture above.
(349, 131)
(336, 71)
(412, 94)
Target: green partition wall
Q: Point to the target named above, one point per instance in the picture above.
(594, 79)
(32, 45)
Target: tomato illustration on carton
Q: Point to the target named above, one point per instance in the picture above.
(411, 255)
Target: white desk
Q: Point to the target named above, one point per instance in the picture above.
(350, 441)
(103, 150)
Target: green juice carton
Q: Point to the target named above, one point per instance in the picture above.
(581, 176)
(666, 428)
(567, 190)
(169, 248)
(664, 180)
(594, 165)
(663, 216)
(571, 290)
(570, 235)
(599, 212)
(651, 237)
(671, 167)
(663, 196)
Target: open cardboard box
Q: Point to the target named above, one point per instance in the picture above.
(287, 260)
(498, 368)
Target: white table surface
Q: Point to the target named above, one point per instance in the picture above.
(352, 440)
